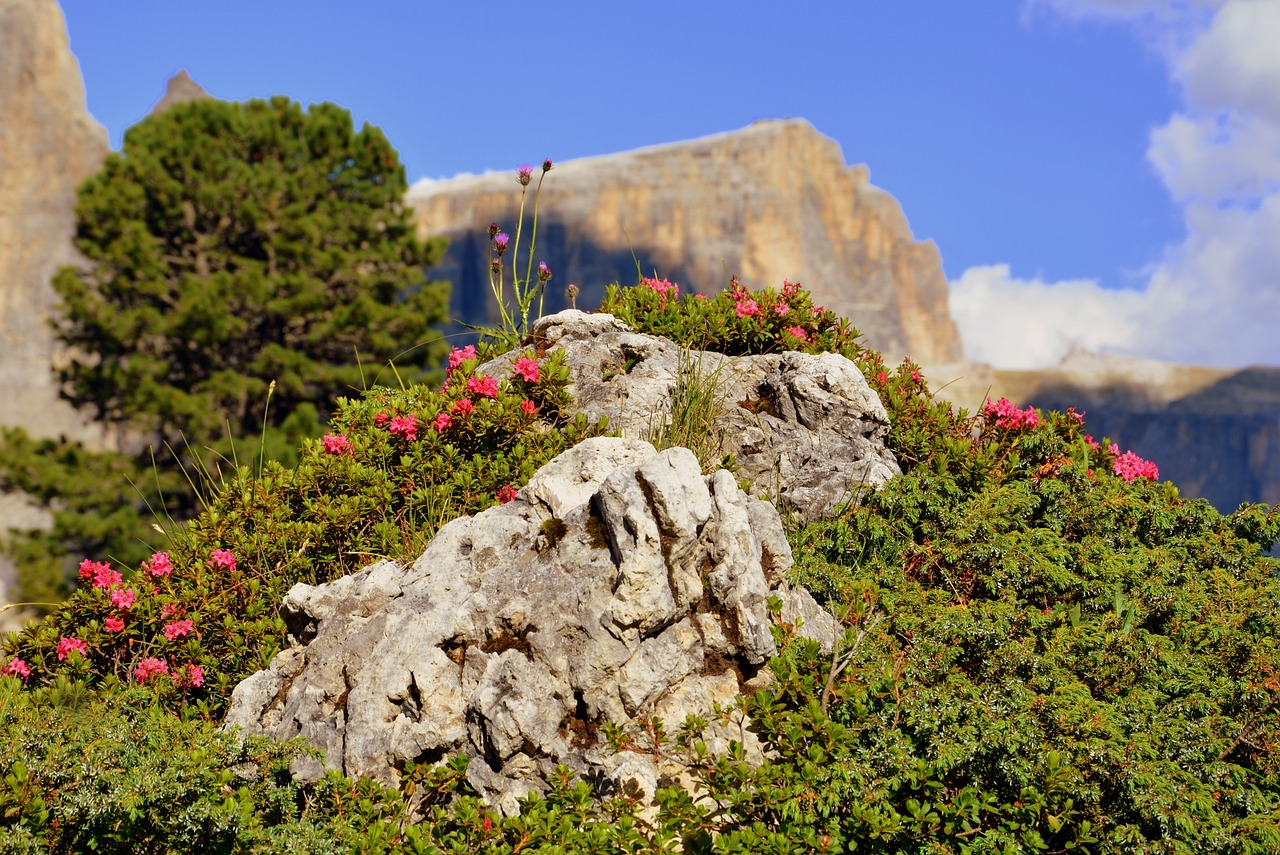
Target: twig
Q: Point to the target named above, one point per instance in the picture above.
(840, 662)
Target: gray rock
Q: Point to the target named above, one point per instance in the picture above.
(513, 639)
(806, 430)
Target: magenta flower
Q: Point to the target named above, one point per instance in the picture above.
(179, 628)
(462, 407)
(546, 165)
(781, 309)
(150, 667)
(500, 242)
(544, 272)
(745, 307)
(1007, 415)
(223, 559)
(123, 598)
(113, 624)
(159, 564)
(797, 332)
(168, 610)
(458, 356)
(66, 645)
(18, 668)
(528, 369)
(790, 289)
(189, 675)
(1091, 442)
(340, 444)
(101, 574)
(483, 385)
(528, 406)
(524, 175)
(442, 422)
(882, 378)
(506, 494)
(405, 427)
(380, 420)
(1130, 467)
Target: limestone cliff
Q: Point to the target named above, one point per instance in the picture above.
(770, 202)
(49, 144)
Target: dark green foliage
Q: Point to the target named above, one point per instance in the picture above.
(245, 266)
(1039, 656)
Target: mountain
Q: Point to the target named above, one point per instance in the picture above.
(49, 144)
(770, 202)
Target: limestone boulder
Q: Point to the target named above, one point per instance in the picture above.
(805, 430)
(620, 583)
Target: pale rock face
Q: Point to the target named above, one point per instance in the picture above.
(773, 201)
(49, 144)
(805, 430)
(513, 640)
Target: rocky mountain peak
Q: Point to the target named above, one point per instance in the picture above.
(179, 89)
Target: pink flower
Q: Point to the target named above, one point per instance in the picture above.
(797, 332)
(223, 559)
(457, 357)
(544, 272)
(159, 565)
(1130, 466)
(882, 378)
(528, 406)
(178, 628)
(500, 242)
(790, 289)
(123, 598)
(665, 287)
(746, 307)
(339, 444)
(1008, 416)
(506, 494)
(484, 385)
(1091, 442)
(113, 624)
(380, 420)
(781, 309)
(17, 667)
(168, 610)
(405, 427)
(917, 376)
(462, 407)
(528, 369)
(524, 174)
(101, 574)
(189, 675)
(150, 667)
(66, 645)
(442, 422)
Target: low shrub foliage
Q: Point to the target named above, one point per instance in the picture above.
(1045, 648)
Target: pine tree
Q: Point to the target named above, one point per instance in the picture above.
(247, 264)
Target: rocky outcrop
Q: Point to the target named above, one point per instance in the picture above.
(805, 430)
(48, 145)
(620, 583)
(179, 89)
(773, 201)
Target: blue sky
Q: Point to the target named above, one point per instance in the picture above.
(1082, 168)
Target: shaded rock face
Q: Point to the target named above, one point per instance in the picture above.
(48, 145)
(773, 201)
(620, 582)
(805, 429)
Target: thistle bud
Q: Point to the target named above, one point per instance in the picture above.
(546, 165)
(544, 272)
(524, 175)
(493, 229)
(572, 293)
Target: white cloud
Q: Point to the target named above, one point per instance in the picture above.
(1214, 299)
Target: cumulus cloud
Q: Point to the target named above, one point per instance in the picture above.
(1215, 298)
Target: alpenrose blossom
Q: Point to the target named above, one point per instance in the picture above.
(781, 309)
(529, 407)
(123, 598)
(506, 494)
(746, 307)
(339, 444)
(527, 369)
(223, 559)
(188, 676)
(442, 422)
(18, 668)
(100, 573)
(159, 564)
(150, 667)
(113, 624)
(179, 628)
(1006, 415)
(458, 356)
(1130, 467)
(483, 385)
(797, 332)
(67, 644)
(462, 407)
(405, 427)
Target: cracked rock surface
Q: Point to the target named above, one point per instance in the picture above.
(513, 640)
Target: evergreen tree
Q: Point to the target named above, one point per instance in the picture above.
(247, 265)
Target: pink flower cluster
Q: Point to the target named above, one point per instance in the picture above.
(462, 407)
(744, 306)
(797, 332)
(528, 369)
(159, 564)
(18, 668)
(506, 494)
(458, 356)
(666, 289)
(790, 289)
(1130, 466)
(123, 598)
(404, 427)
(67, 645)
(223, 559)
(178, 628)
(483, 385)
(150, 667)
(1006, 415)
(100, 573)
(338, 445)
(442, 422)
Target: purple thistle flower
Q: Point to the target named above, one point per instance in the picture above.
(524, 175)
